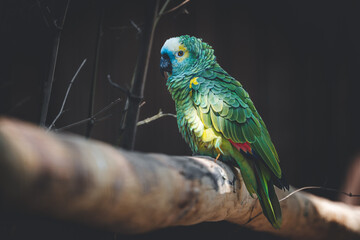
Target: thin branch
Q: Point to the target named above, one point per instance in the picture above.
(322, 188)
(178, 6)
(49, 81)
(107, 107)
(103, 118)
(73, 125)
(157, 116)
(95, 72)
(61, 26)
(49, 19)
(44, 13)
(142, 104)
(92, 118)
(162, 10)
(138, 29)
(115, 85)
(66, 95)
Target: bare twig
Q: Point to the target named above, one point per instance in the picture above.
(49, 81)
(178, 6)
(115, 85)
(163, 8)
(321, 188)
(93, 118)
(138, 29)
(47, 16)
(107, 107)
(66, 95)
(157, 116)
(103, 118)
(95, 72)
(161, 12)
(142, 104)
(73, 125)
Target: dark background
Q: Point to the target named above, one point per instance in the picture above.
(299, 61)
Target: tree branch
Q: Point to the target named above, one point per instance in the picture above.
(115, 85)
(75, 179)
(153, 118)
(131, 110)
(66, 95)
(175, 8)
(93, 118)
(90, 124)
(138, 82)
(49, 81)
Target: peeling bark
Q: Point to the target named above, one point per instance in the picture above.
(75, 179)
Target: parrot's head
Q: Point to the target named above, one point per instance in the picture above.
(185, 55)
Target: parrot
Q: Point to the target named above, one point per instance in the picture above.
(217, 118)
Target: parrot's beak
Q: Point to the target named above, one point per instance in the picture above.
(165, 65)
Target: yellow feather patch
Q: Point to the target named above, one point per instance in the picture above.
(193, 81)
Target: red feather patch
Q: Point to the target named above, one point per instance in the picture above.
(245, 147)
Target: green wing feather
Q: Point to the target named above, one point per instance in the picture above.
(233, 114)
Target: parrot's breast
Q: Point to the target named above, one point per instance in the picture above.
(190, 125)
(200, 139)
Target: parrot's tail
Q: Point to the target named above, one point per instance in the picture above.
(267, 197)
(259, 179)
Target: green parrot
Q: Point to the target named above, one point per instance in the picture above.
(217, 118)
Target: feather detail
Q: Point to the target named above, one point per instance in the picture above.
(246, 147)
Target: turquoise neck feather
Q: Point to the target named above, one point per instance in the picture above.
(180, 91)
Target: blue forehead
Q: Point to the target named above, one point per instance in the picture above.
(165, 50)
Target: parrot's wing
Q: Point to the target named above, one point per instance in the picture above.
(223, 104)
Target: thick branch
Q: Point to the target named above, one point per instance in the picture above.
(91, 182)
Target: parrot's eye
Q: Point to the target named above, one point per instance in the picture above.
(180, 53)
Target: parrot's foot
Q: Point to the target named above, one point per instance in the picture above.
(217, 157)
(217, 145)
